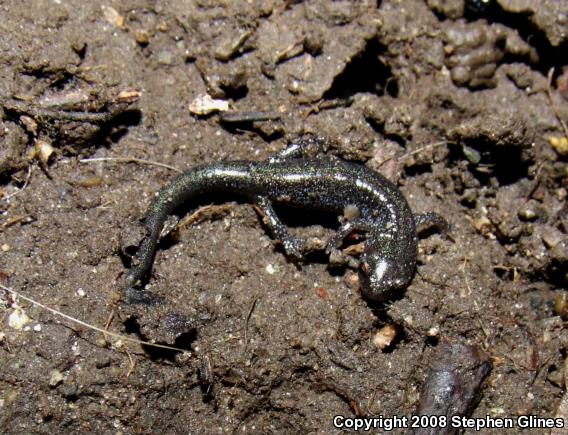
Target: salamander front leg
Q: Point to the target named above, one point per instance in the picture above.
(427, 221)
(292, 246)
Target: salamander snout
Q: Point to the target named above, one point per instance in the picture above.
(382, 278)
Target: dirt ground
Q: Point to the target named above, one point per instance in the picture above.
(451, 99)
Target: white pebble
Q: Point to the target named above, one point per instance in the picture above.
(55, 378)
(18, 319)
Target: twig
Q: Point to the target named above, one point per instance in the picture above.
(13, 221)
(247, 117)
(419, 150)
(553, 104)
(26, 181)
(130, 160)
(536, 182)
(132, 364)
(247, 322)
(411, 153)
(87, 325)
(109, 322)
(59, 115)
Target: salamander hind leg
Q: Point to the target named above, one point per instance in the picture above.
(293, 247)
(344, 230)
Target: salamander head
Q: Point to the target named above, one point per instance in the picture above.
(382, 278)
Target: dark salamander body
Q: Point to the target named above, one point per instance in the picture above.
(294, 179)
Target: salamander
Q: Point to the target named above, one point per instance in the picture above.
(303, 176)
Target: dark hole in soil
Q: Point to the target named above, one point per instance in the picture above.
(131, 326)
(185, 340)
(415, 170)
(508, 164)
(117, 127)
(235, 93)
(505, 163)
(432, 341)
(556, 274)
(365, 73)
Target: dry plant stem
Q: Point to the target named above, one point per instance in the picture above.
(253, 305)
(130, 160)
(87, 325)
(132, 364)
(553, 104)
(419, 150)
(26, 181)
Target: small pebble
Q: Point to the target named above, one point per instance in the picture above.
(112, 16)
(43, 150)
(384, 336)
(551, 236)
(102, 362)
(101, 342)
(336, 257)
(205, 104)
(434, 331)
(560, 144)
(165, 57)
(482, 224)
(527, 214)
(142, 37)
(55, 378)
(352, 280)
(5, 247)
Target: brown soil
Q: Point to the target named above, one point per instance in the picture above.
(450, 100)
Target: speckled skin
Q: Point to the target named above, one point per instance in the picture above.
(297, 180)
